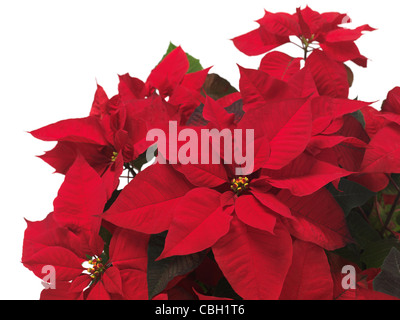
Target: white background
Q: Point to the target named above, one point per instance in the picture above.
(52, 52)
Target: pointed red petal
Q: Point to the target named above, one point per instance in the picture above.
(170, 72)
(128, 249)
(330, 76)
(66, 264)
(280, 65)
(111, 279)
(343, 34)
(326, 228)
(309, 276)
(383, 152)
(271, 201)
(392, 102)
(98, 292)
(134, 284)
(130, 88)
(87, 129)
(280, 23)
(259, 88)
(341, 51)
(99, 103)
(135, 209)
(217, 115)
(304, 175)
(198, 222)
(254, 262)
(258, 41)
(81, 197)
(254, 214)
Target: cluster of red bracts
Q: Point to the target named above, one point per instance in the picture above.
(269, 234)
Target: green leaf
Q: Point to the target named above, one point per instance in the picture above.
(360, 117)
(363, 233)
(351, 194)
(106, 236)
(194, 64)
(160, 273)
(350, 252)
(388, 281)
(375, 252)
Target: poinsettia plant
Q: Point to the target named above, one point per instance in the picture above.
(271, 190)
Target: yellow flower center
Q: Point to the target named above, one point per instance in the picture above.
(114, 156)
(240, 184)
(96, 269)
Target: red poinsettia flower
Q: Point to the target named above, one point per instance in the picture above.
(82, 270)
(311, 28)
(238, 217)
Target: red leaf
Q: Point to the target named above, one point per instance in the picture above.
(198, 222)
(98, 292)
(258, 41)
(270, 201)
(383, 152)
(81, 198)
(254, 214)
(254, 262)
(282, 24)
(343, 34)
(217, 115)
(87, 130)
(146, 204)
(170, 72)
(280, 65)
(330, 76)
(341, 51)
(304, 27)
(99, 103)
(204, 175)
(309, 276)
(128, 249)
(289, 125)
(392, 102)
(292, 138)
(67, 265)
(130, 88)
(111, 279)
(60, 292)
(134, 284)
(259, 88)
(326, 228)
(304, 175)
